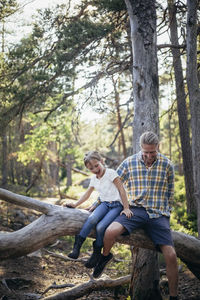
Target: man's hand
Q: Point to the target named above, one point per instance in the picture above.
(127, 212)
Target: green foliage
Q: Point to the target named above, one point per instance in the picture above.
(36, 144)
(7, 7)
(111, 5)
(80, 31)
(123, 259)
(43, 63)
(180, 219)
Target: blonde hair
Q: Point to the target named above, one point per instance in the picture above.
(92, 155)
(149, 138)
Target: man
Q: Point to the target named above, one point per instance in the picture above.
(149, 180)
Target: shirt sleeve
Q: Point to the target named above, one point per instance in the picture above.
(122, 171)
(112, 174)
(91, 184)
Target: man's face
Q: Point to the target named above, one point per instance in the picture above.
(149, 153)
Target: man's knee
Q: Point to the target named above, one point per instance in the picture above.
(113, 230)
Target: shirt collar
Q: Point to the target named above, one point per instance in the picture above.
(140, 158)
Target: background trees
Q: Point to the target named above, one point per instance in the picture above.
(78, 60)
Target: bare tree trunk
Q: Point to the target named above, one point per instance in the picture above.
(194, 96)
(182, 111)
(37, 175)
(53, 166)
(170, 134)
(4, 164)
(11, 161)
(142, 13)
(69, 170)
(142, 261)
(180, 167)
(119, 120)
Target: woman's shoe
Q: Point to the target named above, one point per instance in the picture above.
(77, 246)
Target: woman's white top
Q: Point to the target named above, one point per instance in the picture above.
(105, 186)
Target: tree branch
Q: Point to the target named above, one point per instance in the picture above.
(88, 287)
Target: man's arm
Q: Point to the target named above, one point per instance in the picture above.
(171, 186)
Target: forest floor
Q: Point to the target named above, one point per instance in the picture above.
(35, 274)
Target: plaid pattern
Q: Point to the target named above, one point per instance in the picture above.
(151, 188)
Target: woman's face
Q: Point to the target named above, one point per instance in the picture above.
(96, 167)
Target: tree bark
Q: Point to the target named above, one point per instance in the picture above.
(119, 119)
(143, 260)
(145, 70)
(182, 111)
(37, 175)
(58, 221)
(4, 164)
(194, 96)
(69, 170)
(142, 16)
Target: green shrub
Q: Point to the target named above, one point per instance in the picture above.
(180, 219)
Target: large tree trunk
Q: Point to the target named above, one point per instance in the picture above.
(142, 13)
(194, 96)
(143, 261)
(58, 221)
(182, 111)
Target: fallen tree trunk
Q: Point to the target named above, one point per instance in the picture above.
(58, 221)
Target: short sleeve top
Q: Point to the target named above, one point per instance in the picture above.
(105, 186)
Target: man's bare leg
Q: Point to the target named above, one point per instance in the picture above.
(111, 233)
(170, 257)
(114, 230)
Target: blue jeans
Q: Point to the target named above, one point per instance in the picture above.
(102, 216)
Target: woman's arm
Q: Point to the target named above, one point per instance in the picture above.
(83, 198)
(118, 183)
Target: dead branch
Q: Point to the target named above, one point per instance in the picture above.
(88, 287)
(63, 257)
(58, 286)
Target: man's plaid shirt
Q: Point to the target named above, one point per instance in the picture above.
(151, 188)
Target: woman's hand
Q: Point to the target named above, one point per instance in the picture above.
(91, 208)
(127, 212)
(70, 205)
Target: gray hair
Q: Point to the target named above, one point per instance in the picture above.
(92, 155)
(149, 138)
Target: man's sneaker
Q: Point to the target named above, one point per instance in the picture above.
(101, 264)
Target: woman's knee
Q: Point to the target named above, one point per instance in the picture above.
(100, 228)
(92, 219)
